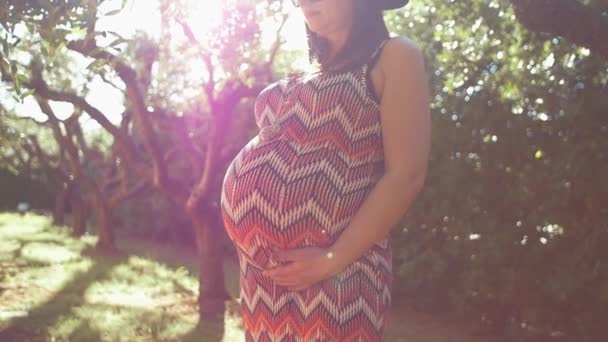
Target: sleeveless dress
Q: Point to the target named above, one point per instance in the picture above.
(298, 183)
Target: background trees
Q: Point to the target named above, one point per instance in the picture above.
(508, 229)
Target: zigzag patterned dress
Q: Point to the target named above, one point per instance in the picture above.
(298, 183)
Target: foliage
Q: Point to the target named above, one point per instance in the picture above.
(17, 189)
(510, 224)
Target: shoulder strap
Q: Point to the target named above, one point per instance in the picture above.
(376, 52)
(370, 63)
(374, 56)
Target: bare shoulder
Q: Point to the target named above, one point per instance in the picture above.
(404, 42)
(400, 52)
(400, 59)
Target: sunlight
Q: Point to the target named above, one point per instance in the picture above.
(144, 16)
(49, 253)
(204, 15)
(126, 297)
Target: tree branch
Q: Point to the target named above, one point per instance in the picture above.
(123, 195)
(570, 19)
(134, 94)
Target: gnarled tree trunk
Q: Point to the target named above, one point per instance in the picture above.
(61, 200)
(105, 241)
(79, 215)
(212, 288)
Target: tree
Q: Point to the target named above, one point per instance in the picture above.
(23, 156)
(518, 142)
(144, 145)
(584, 25)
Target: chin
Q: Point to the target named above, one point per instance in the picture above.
(318, 30)
(315, 26)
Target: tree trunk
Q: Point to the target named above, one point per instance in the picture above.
(212, 289)
(79, 215)
(105, 241)
(61, 199)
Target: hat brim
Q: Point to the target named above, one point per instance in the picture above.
(393, 4)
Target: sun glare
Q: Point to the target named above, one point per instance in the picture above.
(204, 15)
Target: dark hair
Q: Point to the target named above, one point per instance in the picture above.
(368, 30)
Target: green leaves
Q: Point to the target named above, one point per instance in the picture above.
(519, 140)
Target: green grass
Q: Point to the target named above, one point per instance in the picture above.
(56, 288)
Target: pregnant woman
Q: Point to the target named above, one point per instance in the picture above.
(341, 154)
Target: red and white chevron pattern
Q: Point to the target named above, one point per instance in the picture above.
(298, 183)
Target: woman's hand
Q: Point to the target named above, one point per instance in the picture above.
(308, 266)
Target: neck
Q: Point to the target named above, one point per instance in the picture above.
(337, 40)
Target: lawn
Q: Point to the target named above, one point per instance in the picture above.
(56, 288)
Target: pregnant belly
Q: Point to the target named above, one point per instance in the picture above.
(280, 195)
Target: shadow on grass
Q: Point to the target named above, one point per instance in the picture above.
(59, 288)
(84, 332)
(60, 303)
(223, 327)
(56, 287)
(228, 328)
(211, 329)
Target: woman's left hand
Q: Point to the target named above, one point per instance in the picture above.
(308, 266)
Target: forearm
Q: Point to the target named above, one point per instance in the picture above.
(382, 209)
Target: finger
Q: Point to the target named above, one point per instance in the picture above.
(290, 284)
(296, 282)
(285, 281)
(288, 270)
(272, 272)
(290, 254)
(290, 280)
(284, 255)
(298, 287)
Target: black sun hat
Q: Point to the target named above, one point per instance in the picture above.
(393, 4)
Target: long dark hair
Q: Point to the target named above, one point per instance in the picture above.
(368, 30)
